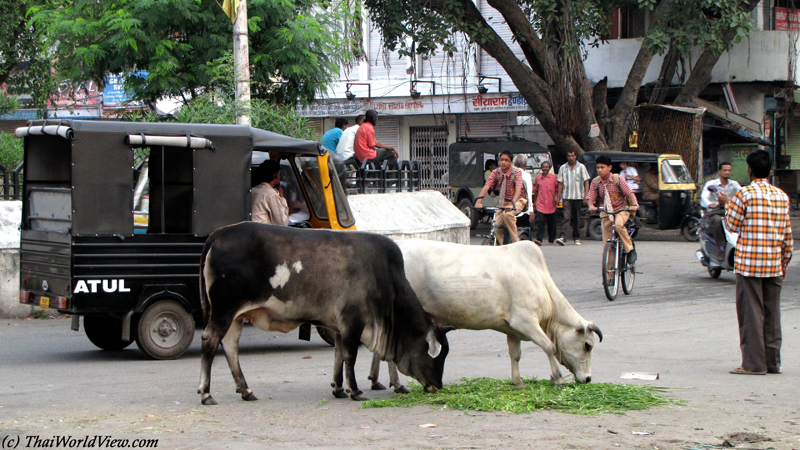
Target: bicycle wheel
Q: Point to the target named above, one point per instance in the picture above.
(628, 276)
(489, 240)
(610, 271)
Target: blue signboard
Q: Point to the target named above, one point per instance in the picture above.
(114, 90)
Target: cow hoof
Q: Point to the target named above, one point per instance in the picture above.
(401, 390)
(208, 401)
(377, 386)
(358, 397)
(340, 394)
(519, 384)
(249, 397)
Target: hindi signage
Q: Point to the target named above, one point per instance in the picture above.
(452, 104)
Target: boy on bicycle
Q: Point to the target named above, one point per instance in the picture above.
(613, 190)
(508, 179)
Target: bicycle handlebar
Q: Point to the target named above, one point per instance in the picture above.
(492, 208)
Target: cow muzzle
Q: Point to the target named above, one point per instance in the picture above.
(431, 389)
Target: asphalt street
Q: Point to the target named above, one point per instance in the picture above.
(678, 323)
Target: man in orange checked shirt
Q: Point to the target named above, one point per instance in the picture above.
(760, 214)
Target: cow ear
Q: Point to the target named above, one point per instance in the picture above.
(433, 344)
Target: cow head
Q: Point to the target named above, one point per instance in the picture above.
(574, 349)
(425, 360)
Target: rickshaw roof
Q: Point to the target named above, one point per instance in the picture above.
(261, 139)
(637, 157)
(497, 145)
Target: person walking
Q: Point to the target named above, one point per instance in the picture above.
(760, 214)
(509, 180)
(544, 194)
(573, 182)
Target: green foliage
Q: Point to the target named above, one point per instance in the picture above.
(24, 62)
(222, 109)
(700, 23)
(10, 151)
(486, 394)
(300, 42)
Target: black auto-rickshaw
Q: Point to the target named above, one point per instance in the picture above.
(674, 208)
(88, 249)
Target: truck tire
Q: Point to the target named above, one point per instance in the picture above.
(105, 332)
(466, 207)
(166, 330)
(596, 229)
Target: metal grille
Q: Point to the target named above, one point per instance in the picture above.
(429, 147)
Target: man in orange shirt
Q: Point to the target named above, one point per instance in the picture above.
(365, 145)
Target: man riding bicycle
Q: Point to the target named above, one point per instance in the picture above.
(508, 179)
(613, 190)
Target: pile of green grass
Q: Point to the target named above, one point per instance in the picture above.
(486, 394)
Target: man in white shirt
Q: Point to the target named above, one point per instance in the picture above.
(345, 146)
(708, 201)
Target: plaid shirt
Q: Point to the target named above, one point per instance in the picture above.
(760, 214)
(598, 190)
(511, 186)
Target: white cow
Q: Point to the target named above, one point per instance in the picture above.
(507, 289)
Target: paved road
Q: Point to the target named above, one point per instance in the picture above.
(678, 322)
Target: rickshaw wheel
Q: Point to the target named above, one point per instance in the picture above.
(714, 273)
(596, 229)
(466, 207)
(166, 330)
(327, 335)
(105, 332)
(691, 229)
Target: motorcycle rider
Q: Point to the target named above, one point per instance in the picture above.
(714, 214)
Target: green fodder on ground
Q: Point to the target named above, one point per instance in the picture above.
(487, 394)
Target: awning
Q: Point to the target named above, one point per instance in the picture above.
(41, 130)
(747, 137)
(730, 116)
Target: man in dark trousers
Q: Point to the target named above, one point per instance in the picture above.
(760, 214)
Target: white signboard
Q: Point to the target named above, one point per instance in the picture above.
(425, 105)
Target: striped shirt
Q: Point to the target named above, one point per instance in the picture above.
(495, 181)
(760, 214)
(572, 179)
(598, 190)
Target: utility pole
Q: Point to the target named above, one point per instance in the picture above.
(241, 64)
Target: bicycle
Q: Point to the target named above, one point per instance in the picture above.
(615, 264)
(491, 238)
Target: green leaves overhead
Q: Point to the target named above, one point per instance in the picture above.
(298, 43)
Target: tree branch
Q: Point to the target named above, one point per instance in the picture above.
(701, 72)
(528, 40)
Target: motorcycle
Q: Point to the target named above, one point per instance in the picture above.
(707, 254)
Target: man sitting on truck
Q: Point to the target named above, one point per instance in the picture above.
(269, 204)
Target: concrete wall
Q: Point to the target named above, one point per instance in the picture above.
(10, 217)
(424, 215)
(763, 57)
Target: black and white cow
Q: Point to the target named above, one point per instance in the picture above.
(350, 282)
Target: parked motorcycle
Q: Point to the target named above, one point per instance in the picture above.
(707, 254)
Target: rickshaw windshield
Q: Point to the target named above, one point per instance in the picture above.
(298, 210)
(343, 213)
(674, 171)
(308, 169)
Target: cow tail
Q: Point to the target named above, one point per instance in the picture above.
(204, 304)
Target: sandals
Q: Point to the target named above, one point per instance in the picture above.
(741, 371)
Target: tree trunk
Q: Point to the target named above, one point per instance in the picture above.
(665, 76)
(701, 72)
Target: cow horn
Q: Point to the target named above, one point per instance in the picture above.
(596, 329)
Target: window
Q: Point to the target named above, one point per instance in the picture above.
(673, 171)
